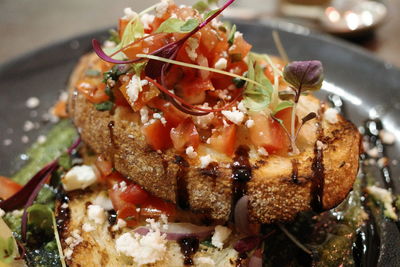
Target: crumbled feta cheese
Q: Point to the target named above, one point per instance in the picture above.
(109, 44)
(96, 214)
(161, 8)
(220, 235)
(144, 114)
(64, 206)
(147, 19)
(24, 139)
(103, 201)
(373, 152)
(7, 142)
(262, 151)
(221, 64)
(133, 88)
(193, 44)
(2, 213)
(87, 227)
(331, 115)
(387, 137)
(143, 249)
(119, 225)
(234, 116)
(224, 94)
(129, 13)
(72, 241)
(383, 162)
(32, 102)
(242, 107)
(321, 145)
(205, 160)
(238, 34)
(203, 121)
(79, 177)
(190, 152)
(249, 123)
(386, 198)
(204, 261)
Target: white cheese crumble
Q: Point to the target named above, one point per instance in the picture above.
(2, 213)
(103, 201)
(7, 142)
(144, 249)
(71, 242)
(386, 198)
(122, 186)
(387, 137)
(204, 261)
(96, 214)
(331, 115)
(161, 8)
(134, 88)
(205, 160)
(262, 151)
(129, 13)
(41, 139)
(119, 225)
(87, 227)
(221, 64)
(234, 116)
(242, 107)
(32, 102)
(193, 44)
(79, 177)
(64, 206)
(220, 235)
(28, 126)
(144, 114)
(147, 19)
(321, 145)
(249, 123)
(373, 152)
(190, 152)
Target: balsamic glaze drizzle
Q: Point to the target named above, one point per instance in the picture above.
(241, 174)
(182, 194)
(189, 246)
(295, 171)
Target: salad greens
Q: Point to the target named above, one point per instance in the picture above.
(172, 25)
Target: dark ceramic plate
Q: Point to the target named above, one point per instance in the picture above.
(366, 85)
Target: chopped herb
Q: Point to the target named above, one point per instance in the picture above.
(65, 161)
(207, 243)
(115, 72)
(239, 83)
(200, 6)
(231, 37)
(92, 73)
(104, 106)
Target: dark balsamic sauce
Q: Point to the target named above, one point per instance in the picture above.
(63, 214)
(295, 171)
(110, 126)
(182, 193)
(318, 181)
(212, 170)
(241, 174)
(189, 246)
(241, 260)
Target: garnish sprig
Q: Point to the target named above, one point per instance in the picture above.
(301, 76)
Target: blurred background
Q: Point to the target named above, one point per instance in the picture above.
(26, 25)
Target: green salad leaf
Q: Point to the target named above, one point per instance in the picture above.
(7, 249)
(40, 217)
(231, 37)
(176, 25)
(200, 6)
(282, 105)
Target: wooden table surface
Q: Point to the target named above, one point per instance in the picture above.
(27, 25)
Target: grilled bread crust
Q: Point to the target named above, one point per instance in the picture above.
(97, 247)
(280, 187)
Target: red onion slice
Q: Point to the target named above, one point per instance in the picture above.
(241, 215)
(177, 231)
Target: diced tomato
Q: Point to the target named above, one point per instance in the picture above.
(94, 93)
(8, 187)
(122, 25)
(194, 91)
(269, 134)
(286, 116)
(147, 45)
(157, 135)
(185, 135)
(119, 99)
(129, 214)
(105, 167)
(134, 194)
(172, 115)
(155, 207)
(224, 140)
(240, 46)
(117, 201)
(60, 109)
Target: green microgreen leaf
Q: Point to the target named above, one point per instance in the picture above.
(257, 98)
(231, 37)
(200, 6)
(172, 25)
(65, 161)
(210, 13)
(212, 2)
(282, 105)
(104, 106)
(114, 36)
(40, 217)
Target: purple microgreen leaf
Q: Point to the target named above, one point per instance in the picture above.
(304, 76)
(247, 244)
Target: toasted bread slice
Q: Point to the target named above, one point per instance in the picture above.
(98, 247)
(280, 187)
